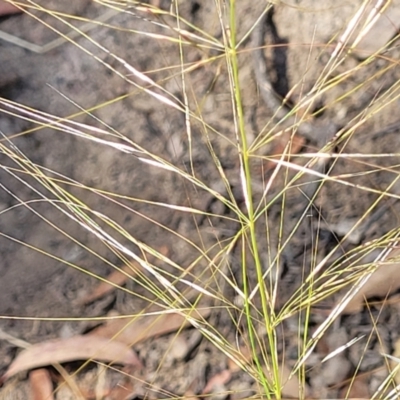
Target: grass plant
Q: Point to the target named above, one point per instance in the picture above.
(250, 295)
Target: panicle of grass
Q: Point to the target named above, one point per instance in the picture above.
(174, 289)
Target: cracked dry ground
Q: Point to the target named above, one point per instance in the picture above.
(66, 79)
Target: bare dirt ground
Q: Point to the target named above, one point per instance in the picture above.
(68, 79)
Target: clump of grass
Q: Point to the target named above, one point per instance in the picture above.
(235, 264)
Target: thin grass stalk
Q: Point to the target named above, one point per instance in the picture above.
(271, 384)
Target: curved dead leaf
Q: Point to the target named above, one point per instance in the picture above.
(217, 381)
(8, 8)
(72, 349)
(41, 386)
(280, 146)
(115, 279)
(356, 389)
(146, 326)
(384, 281)
(291, 386)
(118, 277)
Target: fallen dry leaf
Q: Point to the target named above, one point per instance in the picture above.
(190, 395)
(72, 349)
(217, 381)
(41, 386)
(244, 358)
(356, 388)
(384, 281)
(291, 385)
(118, 278)
(93, 395)
(7, 9)
(115, 279)
(145, 327)
(279, 147)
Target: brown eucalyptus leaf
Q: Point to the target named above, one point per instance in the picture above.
(118, 278)
(146, 326)
(356, 388)
(41, 386)
(72, 349)
(7, 8)
(297, 143)
(291, 386)
(243, 357)
(384, 281)
(115, 279)
(217, 381)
